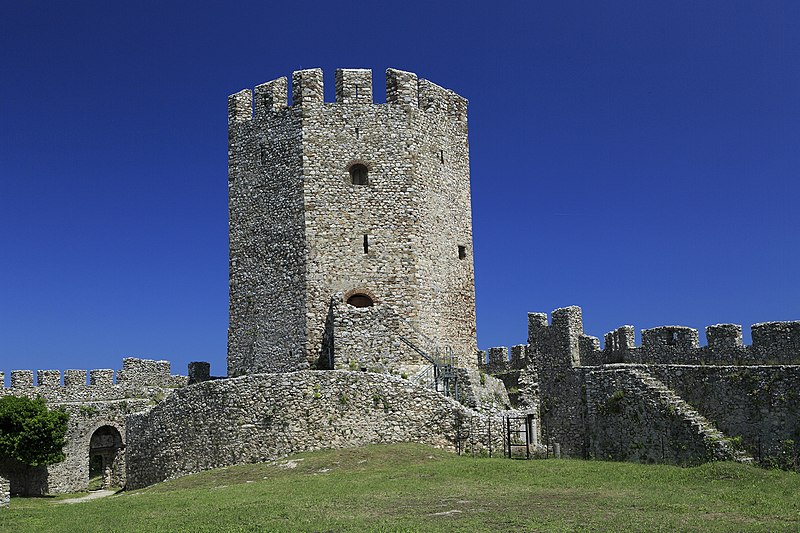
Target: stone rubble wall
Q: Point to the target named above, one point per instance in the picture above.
(553, 351)
(5, 492)
(755, 405)
(72, 474)
(263, 417)
(630, 416)
(759, 404)
(481, 392)
(366, 338)
(140, 384)
(267, 308)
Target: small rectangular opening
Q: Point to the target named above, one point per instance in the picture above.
(672, 338)
(441, 156)
(462, 252)
(356, 133)
(366, 244)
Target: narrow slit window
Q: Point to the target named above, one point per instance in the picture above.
(356, 91)
(462, 252)
(441, 156)
(356, 133)
(366, 244)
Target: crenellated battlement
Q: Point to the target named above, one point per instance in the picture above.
(501, 359)
(103, 383)
(353, 87)
(563, 343)
(773, 343)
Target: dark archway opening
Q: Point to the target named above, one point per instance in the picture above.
(360, 300)
(106, 458)
(359, 175)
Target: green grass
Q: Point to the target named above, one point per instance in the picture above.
(416, 488)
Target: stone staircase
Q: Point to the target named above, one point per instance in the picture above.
(719, 445)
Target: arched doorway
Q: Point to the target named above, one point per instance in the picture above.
(105, 458)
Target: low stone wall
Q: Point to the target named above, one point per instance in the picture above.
(262, 417)
(5, 492)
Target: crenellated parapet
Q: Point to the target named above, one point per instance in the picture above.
(499, 359)
(353, 86)
(561, 344)
(137, 378)
(564, 344)
(619, 342)
(721, 337)
(778, 341)
(773, 343)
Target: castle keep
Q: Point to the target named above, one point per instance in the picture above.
(350, 224)
(352, 300)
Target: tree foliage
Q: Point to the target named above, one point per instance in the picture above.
(30, 432)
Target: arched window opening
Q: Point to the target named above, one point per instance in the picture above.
(360, 300)
(359, 175)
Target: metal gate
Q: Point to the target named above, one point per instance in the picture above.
(519, 436)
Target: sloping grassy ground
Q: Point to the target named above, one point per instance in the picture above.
(416, 488)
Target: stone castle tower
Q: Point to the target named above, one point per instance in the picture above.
(350, 225)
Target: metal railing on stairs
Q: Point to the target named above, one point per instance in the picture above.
(444, 362)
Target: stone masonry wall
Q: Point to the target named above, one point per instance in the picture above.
(138, 378)
(554, 352)
(759, 404)
(5, 492)
(365, 338)
(671, 412)
(261, 417)
(267, 315)
(403, 238)
(627, 420)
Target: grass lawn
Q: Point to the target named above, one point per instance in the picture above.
(415, 488)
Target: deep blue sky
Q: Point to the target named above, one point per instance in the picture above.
(639, 159)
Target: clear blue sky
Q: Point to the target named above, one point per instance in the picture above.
(639, 159)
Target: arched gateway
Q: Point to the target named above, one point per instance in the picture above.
(106, 458)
